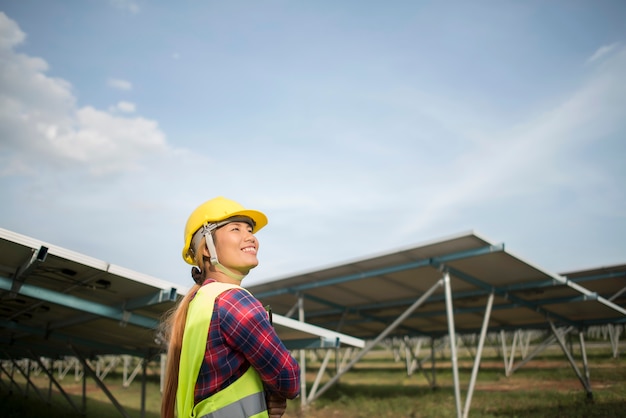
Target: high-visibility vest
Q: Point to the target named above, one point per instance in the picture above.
(244, 398)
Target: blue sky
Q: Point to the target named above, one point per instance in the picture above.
(358, 127)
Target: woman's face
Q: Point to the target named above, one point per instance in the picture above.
(237, 247)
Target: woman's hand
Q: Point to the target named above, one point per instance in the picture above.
(276, 405)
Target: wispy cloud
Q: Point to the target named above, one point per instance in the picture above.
(120, 84)
(124, 107)
(532, 158)
(128, 5)
(602, 52)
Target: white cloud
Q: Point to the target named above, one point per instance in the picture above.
(10, 33)
(106, 142)
(602, 51)
(124, 107)
(119, 84)
(40, 125)
(128, 5)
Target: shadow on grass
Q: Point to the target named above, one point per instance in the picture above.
(352, 391)
(576, 409)
(15, 405)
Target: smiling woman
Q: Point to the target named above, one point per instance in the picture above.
(224, 357)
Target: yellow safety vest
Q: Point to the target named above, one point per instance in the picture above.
(244, 398)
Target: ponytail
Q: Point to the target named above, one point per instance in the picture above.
(174, 325)
(173, 328)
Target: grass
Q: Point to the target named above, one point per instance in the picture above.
(380, 387)
(360, 401)
(97, 405)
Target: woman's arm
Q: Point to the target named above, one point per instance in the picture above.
(246, 326)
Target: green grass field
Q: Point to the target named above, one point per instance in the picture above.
(380, 387)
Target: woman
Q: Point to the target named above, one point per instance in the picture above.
(224, 357)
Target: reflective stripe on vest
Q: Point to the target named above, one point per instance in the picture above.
(243, 398)
(247, 407)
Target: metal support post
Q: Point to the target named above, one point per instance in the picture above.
(479, 353)
(53, 380)
(452, 335)
(303, 395)
(582, 379)
(28, 381)
(10, 376)
(87, 369)
(320, 373)
(433, 384)
(545, 344)
(583, 353)
(144, 372)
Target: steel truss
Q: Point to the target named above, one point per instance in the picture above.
(521, 342)
(83, 367)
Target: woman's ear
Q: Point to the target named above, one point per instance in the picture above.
(205, 252)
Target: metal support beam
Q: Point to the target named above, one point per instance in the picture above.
(2, 382)
(618, 294)
(583, 354)
(383, 271)
(128, 379)
(55, 382)
(27, 377)
(81, 304)
(303, 395)
(418, 363)
(412, 354)
(144, 371)
(84, 387)
(614, 334)
(381, 336)
(547, 342)
(345, 359)
(57, 336)
(583, 380)
(320, 373)
(589, 294)
(26, 269)
(433, 363)
(479, 354)
(88, 369)
(452, 336)
(10, 376)
(102, 369)
(327, 337)
(159, 296)
(86, 281)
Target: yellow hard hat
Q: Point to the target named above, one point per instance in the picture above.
(213, 211)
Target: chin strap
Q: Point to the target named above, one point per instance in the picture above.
(206, 231)
(215, 262)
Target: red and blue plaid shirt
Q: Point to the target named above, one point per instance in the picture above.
(240, 336)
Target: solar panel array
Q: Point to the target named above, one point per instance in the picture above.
(54, 301)
(361, 298)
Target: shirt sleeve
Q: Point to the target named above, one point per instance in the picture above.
(246, 328)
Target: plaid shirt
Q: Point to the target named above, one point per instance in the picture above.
(240, 336)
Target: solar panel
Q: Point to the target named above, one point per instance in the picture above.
(55, 301)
